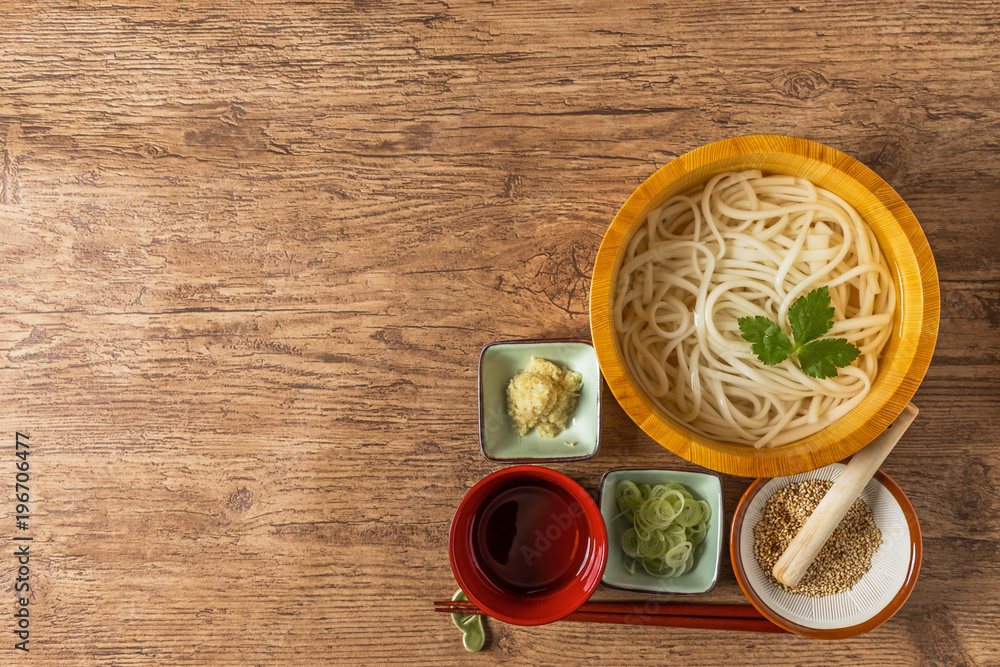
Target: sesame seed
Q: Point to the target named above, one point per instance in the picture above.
(842, 561)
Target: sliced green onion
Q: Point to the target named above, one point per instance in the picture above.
(627, 496)
(668, 523)
(690, 514)
(655, 547)
(697, 534)
(630, 543)
(678, 556)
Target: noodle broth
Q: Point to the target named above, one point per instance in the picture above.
(747, 244)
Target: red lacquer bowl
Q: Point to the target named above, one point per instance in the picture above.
(528, 545)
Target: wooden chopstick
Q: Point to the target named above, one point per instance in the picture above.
(742, 618)
(699, 622)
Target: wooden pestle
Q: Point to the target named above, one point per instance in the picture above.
(809, 541)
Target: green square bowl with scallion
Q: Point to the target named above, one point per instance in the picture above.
(703, 572)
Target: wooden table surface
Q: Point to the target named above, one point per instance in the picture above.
(251, 251)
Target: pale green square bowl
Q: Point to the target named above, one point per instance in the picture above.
(703, 485)
(498, 363)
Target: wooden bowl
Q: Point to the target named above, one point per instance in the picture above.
(904, 359)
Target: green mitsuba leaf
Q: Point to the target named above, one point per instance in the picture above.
(770, 343)
(753, 328)
(775, 347)
(811, 316)
(822, 358)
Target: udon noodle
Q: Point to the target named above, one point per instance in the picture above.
(748, 244)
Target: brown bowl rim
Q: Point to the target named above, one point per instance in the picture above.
(887, 612)
(791, 458)
(530, 459)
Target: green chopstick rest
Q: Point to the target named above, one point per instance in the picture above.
(471, 626)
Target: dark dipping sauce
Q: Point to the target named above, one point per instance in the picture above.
(529, 537)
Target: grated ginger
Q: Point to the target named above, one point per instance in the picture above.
(543, 396)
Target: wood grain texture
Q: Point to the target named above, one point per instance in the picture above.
(250, 252)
